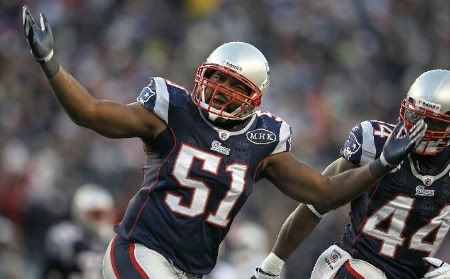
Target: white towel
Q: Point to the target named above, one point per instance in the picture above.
(329, 262)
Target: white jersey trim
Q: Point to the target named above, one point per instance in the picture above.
(423, 177)
(285, 136)
(231, 133)
(156, 265)
(369, 150)
(162, 99)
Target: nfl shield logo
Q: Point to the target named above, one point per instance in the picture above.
(224, 135)
(335, 256)
(427, 180)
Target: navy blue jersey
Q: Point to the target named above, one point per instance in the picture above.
(196, 178)
(401, 220)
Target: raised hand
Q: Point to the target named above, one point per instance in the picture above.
(397, 147)
(39, 38)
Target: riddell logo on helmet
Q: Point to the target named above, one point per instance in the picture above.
(429, 105)
(235, 67)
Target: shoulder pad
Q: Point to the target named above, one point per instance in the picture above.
(365, 141)
(160, 94)
(282, 129)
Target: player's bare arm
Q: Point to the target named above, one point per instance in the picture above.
(304, 184)
(108, 118)
(111, 119)
(302, 221)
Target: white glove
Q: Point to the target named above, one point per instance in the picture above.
(260, 274)
(438, 270)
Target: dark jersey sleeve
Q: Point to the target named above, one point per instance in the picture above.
(364, 144)
(161, 94)
(155, 97)
(284, 143)
(365, 141)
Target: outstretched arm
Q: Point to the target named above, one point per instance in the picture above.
(301, 222)
(303, 183)
(108, 118)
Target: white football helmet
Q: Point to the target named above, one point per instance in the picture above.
(241, 61)
(93, 209)
(429, 98)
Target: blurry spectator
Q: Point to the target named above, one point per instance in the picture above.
(75, 249)
(246, 244)
(12, 264)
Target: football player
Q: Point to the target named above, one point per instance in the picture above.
(204, 152)
(396, 227)
(75, 249)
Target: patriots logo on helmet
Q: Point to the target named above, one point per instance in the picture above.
(351, 147)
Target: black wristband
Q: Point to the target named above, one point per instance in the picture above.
(50, 68)
(263, 272)
(377, 169)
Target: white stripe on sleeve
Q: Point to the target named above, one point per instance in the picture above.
(369, 150)
(285, 135)
(162, 99)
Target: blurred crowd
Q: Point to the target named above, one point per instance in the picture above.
(333, 64)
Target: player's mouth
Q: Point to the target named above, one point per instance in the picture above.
(218, 102)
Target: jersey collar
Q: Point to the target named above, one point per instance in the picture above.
(230, 133)
(427, 178)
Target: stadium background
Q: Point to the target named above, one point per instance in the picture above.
(333, 64)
